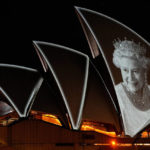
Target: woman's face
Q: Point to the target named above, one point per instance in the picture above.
(133, 74)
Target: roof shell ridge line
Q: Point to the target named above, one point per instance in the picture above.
(56, 78)
(83, 94)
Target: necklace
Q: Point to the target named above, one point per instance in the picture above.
(139, 100)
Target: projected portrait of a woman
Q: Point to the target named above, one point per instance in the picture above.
(133, 92)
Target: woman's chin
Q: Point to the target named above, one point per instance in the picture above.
(133, 89)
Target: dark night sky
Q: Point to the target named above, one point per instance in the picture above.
(56, 22)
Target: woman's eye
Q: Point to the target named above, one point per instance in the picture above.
(135, 71)
(125, 70)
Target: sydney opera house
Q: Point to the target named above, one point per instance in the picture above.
(76, 101)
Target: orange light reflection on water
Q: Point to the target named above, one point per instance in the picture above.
(122, 144)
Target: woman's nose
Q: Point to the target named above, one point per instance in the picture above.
(130, 76)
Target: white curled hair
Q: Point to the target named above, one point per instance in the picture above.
(131, 50)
